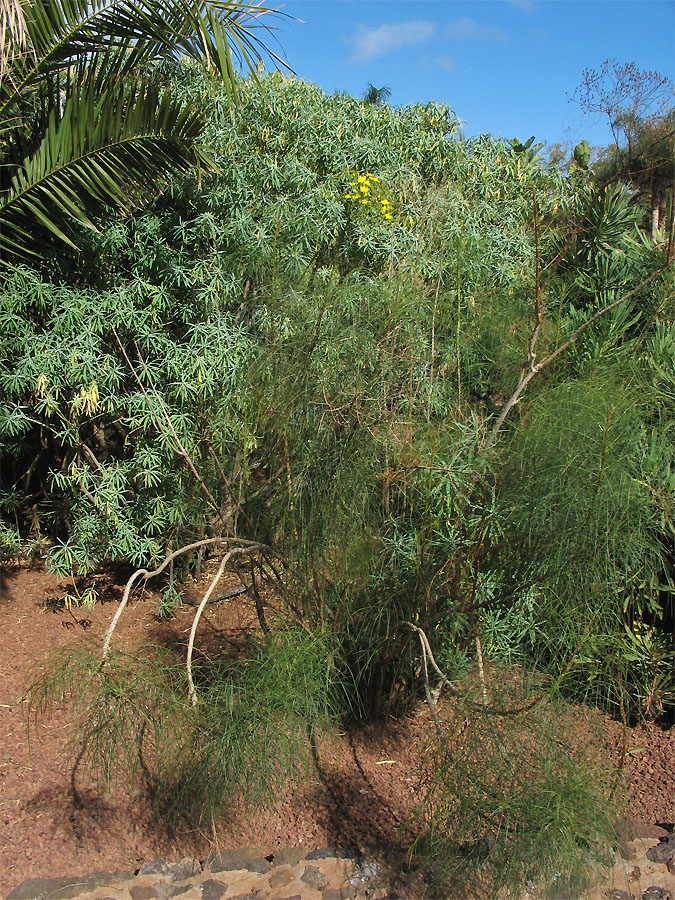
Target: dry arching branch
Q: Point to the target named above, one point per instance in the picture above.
(428, 656)
(147, 574)
(528, 373)
(205, 599)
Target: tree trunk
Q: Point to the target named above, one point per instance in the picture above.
(656, 212)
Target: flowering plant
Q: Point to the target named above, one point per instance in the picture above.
(367, 189)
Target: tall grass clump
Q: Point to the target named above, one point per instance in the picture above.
(246, 739)
(518, 796)
(587, 540)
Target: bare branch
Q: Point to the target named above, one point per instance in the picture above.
(482, 707)
(147, 574)
(525, 378)
(200, 609)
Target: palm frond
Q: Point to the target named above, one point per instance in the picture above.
(84, 125)
(12, 32)
(61, 31)
(100, 151)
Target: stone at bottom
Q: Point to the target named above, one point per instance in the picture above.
(62, 888)
(213, 889)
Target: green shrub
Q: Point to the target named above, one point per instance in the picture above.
(246, 739)
(521, 801)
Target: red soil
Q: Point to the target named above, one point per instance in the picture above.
(364, 787)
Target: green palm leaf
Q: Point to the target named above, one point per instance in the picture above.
(60, 31)
(100, 151)
(83, 123)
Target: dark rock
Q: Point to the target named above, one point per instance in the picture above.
(70, 891)
(155, 867)
(213, 889)
(657, 893)
(291, 856)
(663, 851)
(32, 889)
(63, 888)
(145, 891)
(175, 890)
(231, 860)
(670, 865)
(313, 877)
(619, 895)
(334, 853)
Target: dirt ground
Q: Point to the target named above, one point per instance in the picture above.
(53, 821)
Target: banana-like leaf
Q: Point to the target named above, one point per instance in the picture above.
(101, 151)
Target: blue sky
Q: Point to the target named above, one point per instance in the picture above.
(504, 66)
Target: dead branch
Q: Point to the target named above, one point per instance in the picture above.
(237, 592)
(259, 605)
(427, 691)
(527, 376)
(479, 707)
(205, 599)
(147, 574)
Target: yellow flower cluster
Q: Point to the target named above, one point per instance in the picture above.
(365, 189)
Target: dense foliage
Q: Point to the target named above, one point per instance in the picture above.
(436, 378)
(87, 118)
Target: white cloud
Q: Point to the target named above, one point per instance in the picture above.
(470, 30)
(445, 62)
(371, 42)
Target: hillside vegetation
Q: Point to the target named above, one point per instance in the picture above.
(428, 385)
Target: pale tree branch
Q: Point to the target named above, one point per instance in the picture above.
(205, 599)
(146, 574)
(527, 376)
(478, 707)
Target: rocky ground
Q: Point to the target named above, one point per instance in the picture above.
(55, 823)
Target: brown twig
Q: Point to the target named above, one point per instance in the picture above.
(175, 444)
(433, 336)
(259, 605)
(228, 485)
